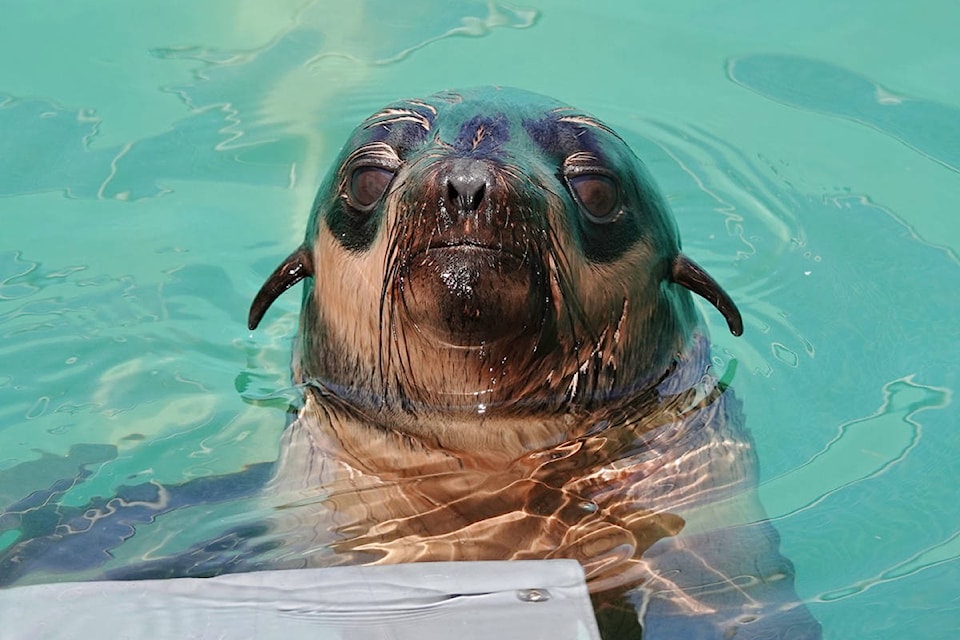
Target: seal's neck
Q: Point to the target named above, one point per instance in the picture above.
(493, 434)
(395, 371)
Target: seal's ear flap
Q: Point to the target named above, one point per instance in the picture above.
(689, 274)
(295, 268)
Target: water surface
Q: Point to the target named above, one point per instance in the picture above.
(158, 162)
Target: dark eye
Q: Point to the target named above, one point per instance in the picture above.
(367, 185)
(597, 195)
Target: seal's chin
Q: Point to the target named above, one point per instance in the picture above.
(469, 295)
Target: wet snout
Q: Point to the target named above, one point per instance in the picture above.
(473, 209)
(473, 274)
(466, 182)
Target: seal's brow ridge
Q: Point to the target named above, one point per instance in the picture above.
(424, 105)
(378, 150)
(587, 121)
(582, 158)
(391, 115)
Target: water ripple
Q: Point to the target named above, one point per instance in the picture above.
(930, 128)
(946, 551)
(862, 449)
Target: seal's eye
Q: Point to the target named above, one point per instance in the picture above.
(367, 185)
(597, 195)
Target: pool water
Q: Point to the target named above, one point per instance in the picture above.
(157, 160)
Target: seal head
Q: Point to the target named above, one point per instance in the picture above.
(490, 251)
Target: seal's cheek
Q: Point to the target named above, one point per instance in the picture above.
(467, 295)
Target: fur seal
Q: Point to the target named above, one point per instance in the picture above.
(502, 359)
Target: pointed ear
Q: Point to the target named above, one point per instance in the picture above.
(296, 267)
(690, 275)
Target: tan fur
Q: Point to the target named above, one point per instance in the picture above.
(483, 383)
(385, 497)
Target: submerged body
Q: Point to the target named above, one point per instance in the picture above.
(502, 360)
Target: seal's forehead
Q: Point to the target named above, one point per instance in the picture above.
(486, 121)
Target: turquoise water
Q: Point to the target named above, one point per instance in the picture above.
(158, 159)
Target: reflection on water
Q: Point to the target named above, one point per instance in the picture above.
(49, 149)
(246, 106)
(946, 551)
(928, 127)
(862, 449)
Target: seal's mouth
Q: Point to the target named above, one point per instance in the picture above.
(493, 228)
(506, 256)
(468, 293)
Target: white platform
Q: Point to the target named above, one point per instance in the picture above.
(526, 600)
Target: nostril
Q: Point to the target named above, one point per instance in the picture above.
(468, 194)
(466, 184)
(452, 194)
(478, 197)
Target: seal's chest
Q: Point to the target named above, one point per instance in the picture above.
(602, 497)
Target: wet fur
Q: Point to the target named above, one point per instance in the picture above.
(595, 431)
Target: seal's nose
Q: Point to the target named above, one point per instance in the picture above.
(468, 183)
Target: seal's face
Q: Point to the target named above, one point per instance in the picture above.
(489, 252)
